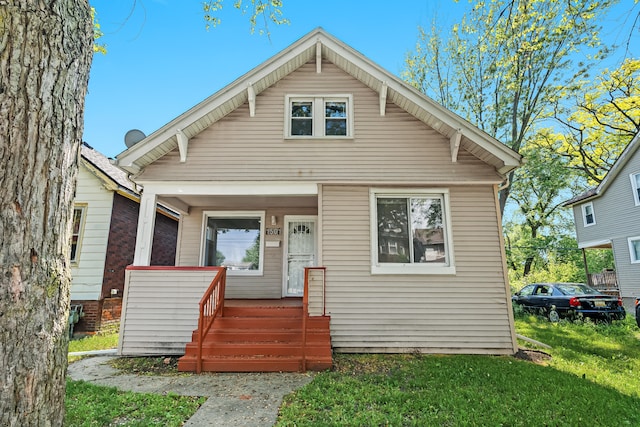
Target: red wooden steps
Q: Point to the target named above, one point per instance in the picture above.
(261, 339)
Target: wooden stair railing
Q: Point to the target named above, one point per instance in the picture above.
(211, 305)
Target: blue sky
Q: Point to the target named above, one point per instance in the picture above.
(161, 60)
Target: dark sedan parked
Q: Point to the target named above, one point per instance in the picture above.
(638, 311)
(572, 300)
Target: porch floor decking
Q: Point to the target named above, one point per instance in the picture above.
(284, 302)
(262, 336)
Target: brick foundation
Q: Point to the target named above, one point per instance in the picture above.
(90, 322)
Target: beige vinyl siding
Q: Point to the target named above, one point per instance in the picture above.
(463, 313)
(395, 147)
(617, 218)
(160, 312)
(87, 274)
(269, 285)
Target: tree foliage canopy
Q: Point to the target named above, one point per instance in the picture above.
(269, 10)
(504, 66)
(600, 123)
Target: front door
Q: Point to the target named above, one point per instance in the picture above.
(299, 250)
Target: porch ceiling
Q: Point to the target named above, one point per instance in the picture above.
(243, 202)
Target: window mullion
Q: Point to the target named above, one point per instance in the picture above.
(410, 230)
(318, 117)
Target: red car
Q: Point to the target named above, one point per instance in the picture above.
(572, 300)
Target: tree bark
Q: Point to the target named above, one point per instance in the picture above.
(45, 56)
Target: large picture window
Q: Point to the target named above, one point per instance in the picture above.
(234, 240)
(411, 233)
(311, 116)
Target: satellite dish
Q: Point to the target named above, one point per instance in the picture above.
(132, 137)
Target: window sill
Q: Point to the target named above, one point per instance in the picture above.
(306, 137)
(415, 269)
(243, 273)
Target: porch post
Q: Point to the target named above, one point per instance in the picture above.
(146, 224)
(586, 267)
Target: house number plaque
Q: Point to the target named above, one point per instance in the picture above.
(273, 231)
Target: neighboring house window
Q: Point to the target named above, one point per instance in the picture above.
(234, 240)
(588, 216)
(411, 232)
(319, 116)
(635, 184)
(634, 249)
(76, 232)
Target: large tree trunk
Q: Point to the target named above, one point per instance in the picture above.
(45, 56)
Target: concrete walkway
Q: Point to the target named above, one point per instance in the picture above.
(234, 399)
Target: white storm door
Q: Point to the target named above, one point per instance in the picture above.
(300, 252)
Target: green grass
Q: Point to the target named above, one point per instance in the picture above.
(94, 342)
(592, 379)
(90, 405)
(607, 354)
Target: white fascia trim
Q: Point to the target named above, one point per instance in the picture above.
(593, 243)
(231, 188)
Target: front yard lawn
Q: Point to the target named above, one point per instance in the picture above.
(592, 379)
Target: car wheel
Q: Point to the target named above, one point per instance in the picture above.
(553, 316)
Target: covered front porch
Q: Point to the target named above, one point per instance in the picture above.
(264, 233)
(605, 281)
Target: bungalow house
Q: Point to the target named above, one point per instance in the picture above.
(105, 219)
(320, 158)
(608, 216)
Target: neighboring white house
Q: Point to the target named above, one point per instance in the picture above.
(608, 216)
(319, 157)
(105, 221)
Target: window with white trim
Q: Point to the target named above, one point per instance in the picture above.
(588, 215)
(77, 231)
(234, 240)
(411, 232)
(635, 185)
(634, 249)
(312, 116)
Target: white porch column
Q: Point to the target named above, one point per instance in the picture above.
(146, 224)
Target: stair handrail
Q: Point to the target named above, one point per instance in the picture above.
(305, 312)
(211, 305)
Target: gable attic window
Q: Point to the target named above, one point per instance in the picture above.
(588, 216)
(411, 232)
(77, 231)
(316, 116)
(232, 239)
(635, 184)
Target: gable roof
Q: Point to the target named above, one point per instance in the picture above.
(112, 176)
(314, 45)
(595, 192)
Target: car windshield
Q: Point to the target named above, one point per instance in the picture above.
(576, 289)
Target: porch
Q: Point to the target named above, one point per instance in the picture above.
(606, 282)
(160, 316)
